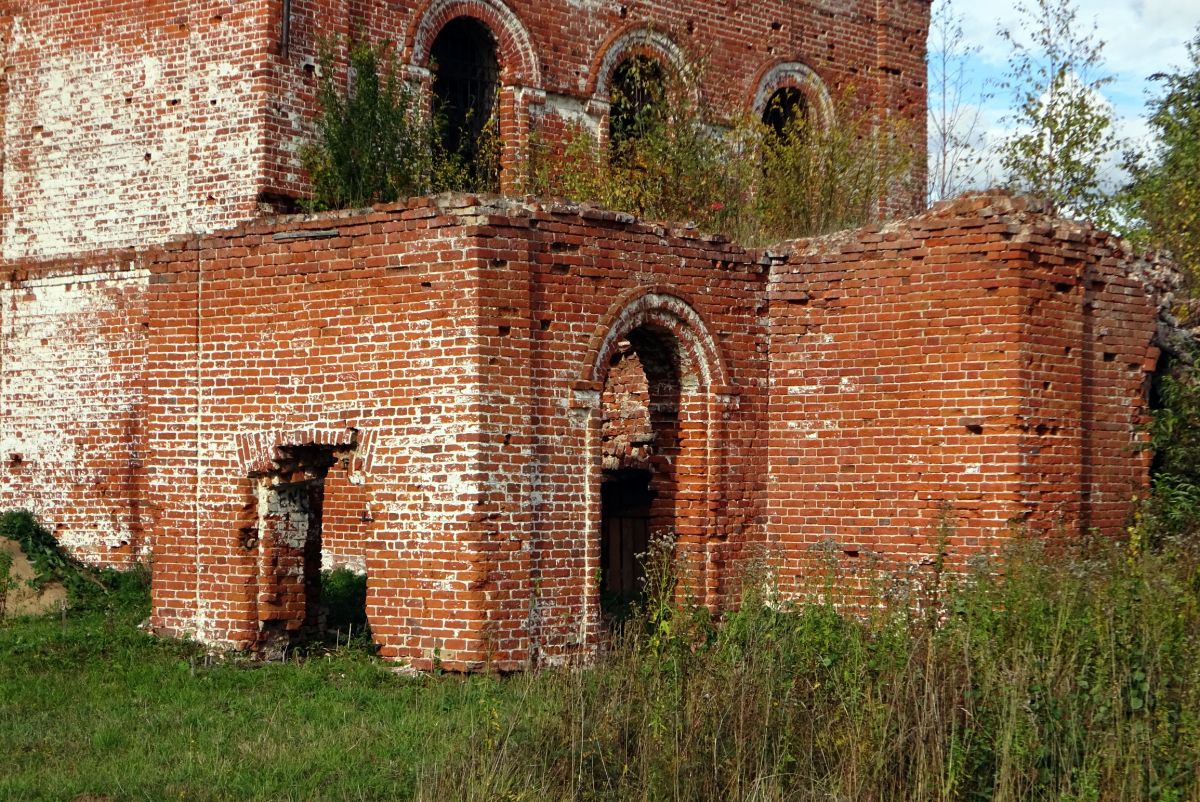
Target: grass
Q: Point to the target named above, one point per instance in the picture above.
(89, 705)
(1069, 677)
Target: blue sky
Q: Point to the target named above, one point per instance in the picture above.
(1141, 37)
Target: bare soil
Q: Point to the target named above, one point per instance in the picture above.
(22, 597)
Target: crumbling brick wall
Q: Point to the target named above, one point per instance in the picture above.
(73, 339)
(457, 352)
(131, 123)
(458, 382)
(978, 370)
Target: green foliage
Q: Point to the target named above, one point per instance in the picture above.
(7, 580)
(666, 160)
(1164, 193)
(1069, 676)
(87, 588)
(817, 178)
(48, 562)
(1063, 129)
(1173, 508)
(669, 162)
(344, 603)
(375, 144)
(1072, 675)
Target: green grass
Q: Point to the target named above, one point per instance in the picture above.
(1074, 677)
(91, 705)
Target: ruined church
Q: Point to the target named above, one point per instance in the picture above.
(490, 404)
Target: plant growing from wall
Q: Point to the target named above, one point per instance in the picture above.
(376, 143)
(747, 179)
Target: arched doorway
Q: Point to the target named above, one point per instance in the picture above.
(657, 392)
(639, 443)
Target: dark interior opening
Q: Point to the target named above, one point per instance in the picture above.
(300, 606)
(466, 82)
(290, 564)
(639, 445)
(625, 501)
(786, 108)
(637, 101)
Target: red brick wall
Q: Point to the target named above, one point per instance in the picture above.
(72, 414)
(445, 344)
(568, 285)
(556, 57)
(129, 121)
(978, 366)
(981, 365)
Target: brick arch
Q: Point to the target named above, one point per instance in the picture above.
(634, 41)
(514, 47)
(697, 463)
(665, 308)
(797, 75)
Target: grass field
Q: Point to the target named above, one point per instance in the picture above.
(1073, 678)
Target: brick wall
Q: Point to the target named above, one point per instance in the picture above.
(556, 58)
(72, 414)
(464, 378)
(132, 123)
(979, 369)
(458, 352)
(128, 122)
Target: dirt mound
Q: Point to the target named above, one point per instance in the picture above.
(22, 598)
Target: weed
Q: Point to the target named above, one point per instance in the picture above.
(759, 183)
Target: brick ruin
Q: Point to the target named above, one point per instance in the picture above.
(490, 404)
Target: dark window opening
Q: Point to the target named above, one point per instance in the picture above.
(786, 111)
(637, 101)
(466, 86)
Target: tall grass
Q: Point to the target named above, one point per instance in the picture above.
(1066, 676)
(1071, 678)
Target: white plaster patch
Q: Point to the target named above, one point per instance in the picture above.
(59, 387)
(106, 147)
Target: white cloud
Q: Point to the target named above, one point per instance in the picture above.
(1141, 37)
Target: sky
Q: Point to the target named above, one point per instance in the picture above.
(1141, 37)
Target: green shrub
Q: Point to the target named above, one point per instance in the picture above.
(344, 598)
(376, 144)
(87, 588)
(1172, 510)
(747, 180)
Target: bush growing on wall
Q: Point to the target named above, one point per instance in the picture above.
(748, 180)
(376, 143)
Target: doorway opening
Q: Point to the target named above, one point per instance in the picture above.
(639, 446)
(291, 499)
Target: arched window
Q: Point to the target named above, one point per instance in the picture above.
(637, 100)
(465, 90)
(786, 107)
